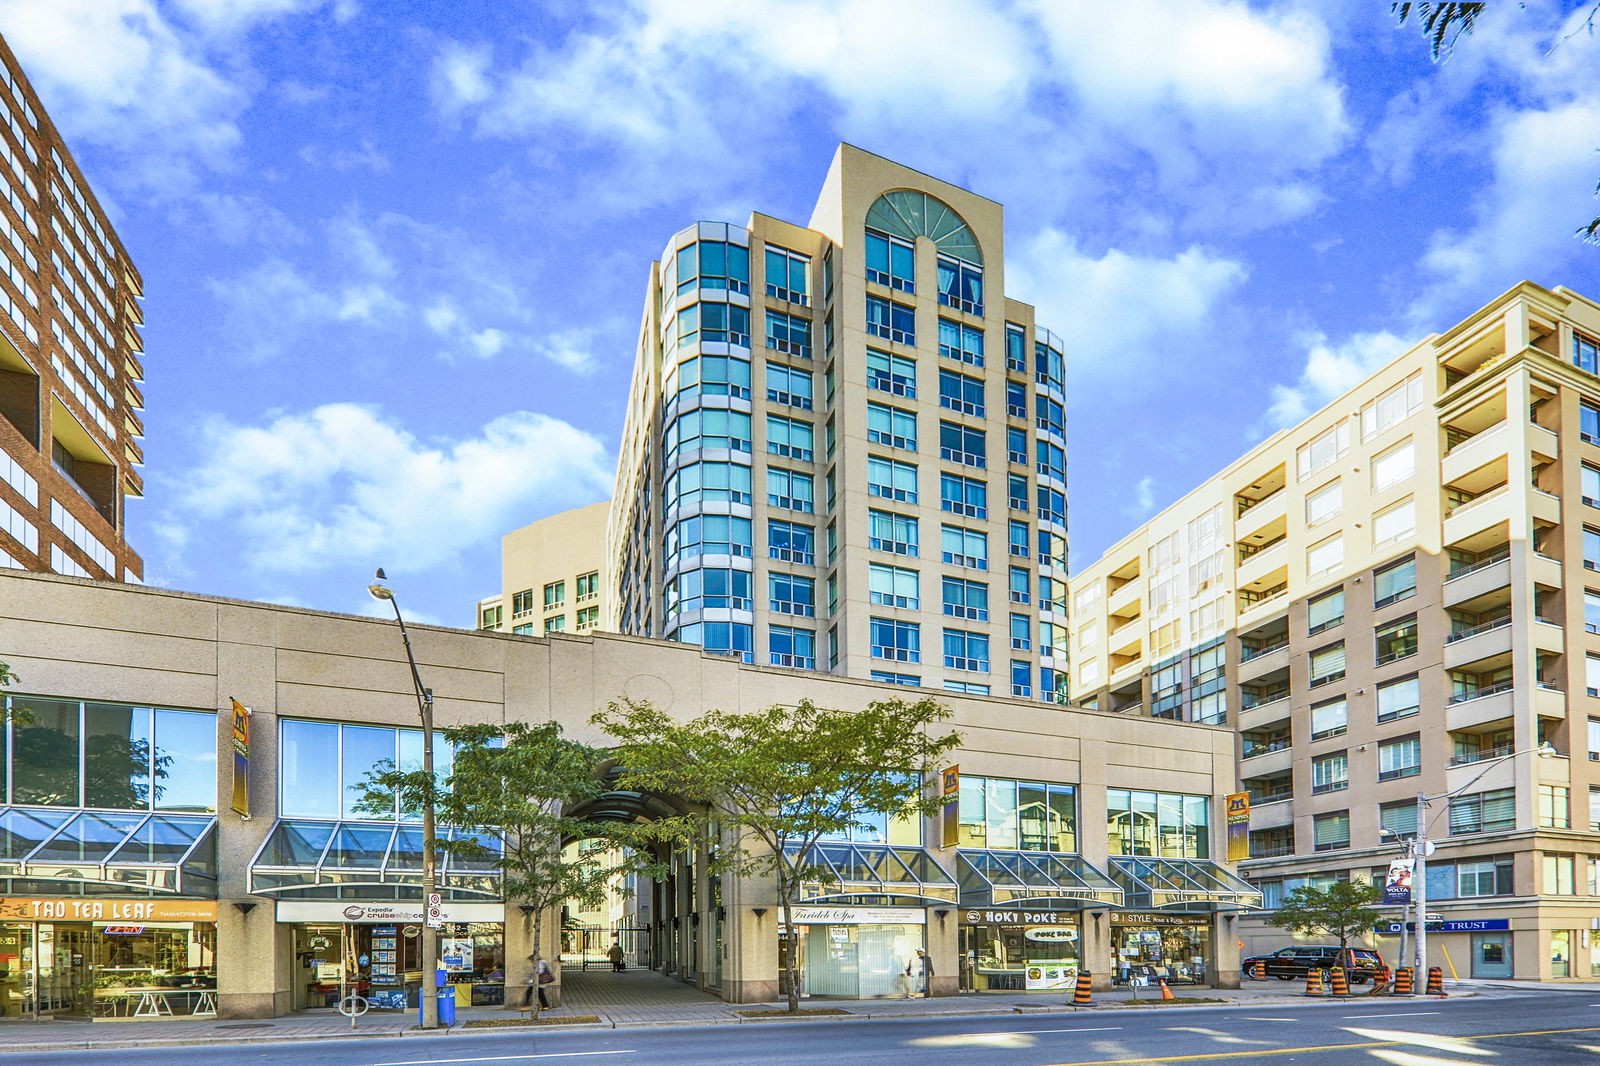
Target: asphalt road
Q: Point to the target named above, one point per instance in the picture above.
(1539, 1029)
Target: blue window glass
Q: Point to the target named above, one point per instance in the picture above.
(960, 393)
(1016, 400)
(1050, 367)
(960, 285)
(1017, 492)
(714, 534)
(792, 594)
(966, 599)
(900, 641)
(789, 386)
(963, 495)
(966, 651)
(714, 265)
(711, 427)
(962, 444)
(788, 333)
(1021, 633)
(891, 479)
(1017, 445)
(892, 533)
(891, 262)
(790, 489)
(728, 638)
(788, 646)
(791, 542)
(896, 679)
(1016, 349)
(891, 321)
(712, 375)
(713, 323)
(891, 426)
(714, 587)
(1050, 415)
(1019, 585)
(786, 274)
(894, 374)
(789, 437)
(1052, 506)
(1052, 459)
(698, 483)
(957, 340)
(1585, 353)
(1018, 536)
(1021, 679)
(1589, 422)
(964, 547)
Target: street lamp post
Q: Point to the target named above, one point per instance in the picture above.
(430, 946)
(1421, 847)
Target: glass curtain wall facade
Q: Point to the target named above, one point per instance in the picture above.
(813, 404)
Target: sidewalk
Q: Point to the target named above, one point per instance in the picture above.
(635, 998)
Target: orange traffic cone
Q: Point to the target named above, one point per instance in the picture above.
(1341, 984)
(1080, 994)
(1314, 983)
(1435, 982)
(1166, 993)
(1403, 978)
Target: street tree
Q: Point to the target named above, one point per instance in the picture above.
(773, 783)
(1444, 24)
(519, 785)
(1343, 910)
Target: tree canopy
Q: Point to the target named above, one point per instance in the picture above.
(774, 783)
(1342, 910)
(519, 784)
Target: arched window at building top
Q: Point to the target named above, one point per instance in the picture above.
(911, 214)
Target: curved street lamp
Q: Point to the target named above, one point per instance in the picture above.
(430, 946)
(1420, 847)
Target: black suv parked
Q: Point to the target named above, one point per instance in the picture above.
(1360, 964)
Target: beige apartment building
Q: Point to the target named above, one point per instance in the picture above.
(845, 447)
(70, 372)
(1081, 839)
(550, 575)
(1398, 596)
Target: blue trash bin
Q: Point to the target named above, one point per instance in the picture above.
(446, 999)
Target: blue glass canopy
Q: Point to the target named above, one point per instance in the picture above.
(162, 853)
(302, 859)
(1152, 883)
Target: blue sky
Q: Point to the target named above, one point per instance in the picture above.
(394, 253)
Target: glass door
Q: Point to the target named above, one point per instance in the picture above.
(1491, 954)
(16, 971)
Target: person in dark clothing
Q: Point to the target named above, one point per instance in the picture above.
(538, 977)
(615, 955)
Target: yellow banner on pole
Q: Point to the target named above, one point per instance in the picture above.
(1238, 821)
(950, 816)
(241, 759)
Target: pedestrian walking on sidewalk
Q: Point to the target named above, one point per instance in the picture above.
(615, 955)
(538, 977)
(920, 970)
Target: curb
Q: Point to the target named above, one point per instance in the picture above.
(854, 1016)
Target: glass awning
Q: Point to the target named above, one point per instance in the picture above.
(174, 853)
(1057, 879)
(1180, 882)
(835, 870)
(303, 857)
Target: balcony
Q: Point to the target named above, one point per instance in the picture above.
(1502, 776)
(1257, 662)
(1486, 575)
(1545, 571)
(1269, 759)
(1263, 715)
(1478, 450)
(1260, 514)
(1479, 707)
(1479, 642)
(1260, 564)
(1549, 636)
(1549, 701)
(1257, 612)
(1546, 507)
(1478, 514)
(1271, 813)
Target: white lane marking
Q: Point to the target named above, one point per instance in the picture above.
(503, 1058)
(1250, 1019)
(1099, 1029)
(1408, 1014)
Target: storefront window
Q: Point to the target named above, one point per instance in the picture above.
(1172, 947)
(1162, 825)
(1561, 953)
(854, 957)
(322, 766)
(1021, 957)
(64, 753)
(1006, 815)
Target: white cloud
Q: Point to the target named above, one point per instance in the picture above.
(361, 155)
(342, 484)
(1144, 494)
(1541, 191)
(1330, 370)
(1227, 101)
(234, 16)
(1112, 309)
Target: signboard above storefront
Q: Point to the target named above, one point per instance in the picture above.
(384, 913)
(860, 916)
(120, 911)
(1156, 918)
(985, 916)
(1480, 925)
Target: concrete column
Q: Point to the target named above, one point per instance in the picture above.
(944, 946)
(1096, 952)
(519, 945)
(1225, 929)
